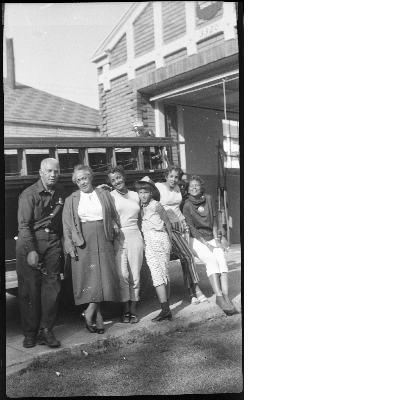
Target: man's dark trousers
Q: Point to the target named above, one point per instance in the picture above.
(38, 293)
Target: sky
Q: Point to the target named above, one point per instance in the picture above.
(53, 44)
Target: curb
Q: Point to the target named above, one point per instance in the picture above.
(134, 335)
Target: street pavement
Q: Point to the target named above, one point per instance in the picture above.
(70, 326)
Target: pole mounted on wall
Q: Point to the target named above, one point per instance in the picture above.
(223, 87)
(222, 195)
(223, 217)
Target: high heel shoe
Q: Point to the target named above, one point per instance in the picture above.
(223, 305)
(99, 320)
(229, 313)
(160, 318)
(90, 328)
(231, 306)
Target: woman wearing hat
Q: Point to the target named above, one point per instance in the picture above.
(171, 199)
(200, 215)
(157, 234)
(129, 248)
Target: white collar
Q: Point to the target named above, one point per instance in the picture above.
(88, 194)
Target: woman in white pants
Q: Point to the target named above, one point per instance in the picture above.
(199, 212)
(129, 249)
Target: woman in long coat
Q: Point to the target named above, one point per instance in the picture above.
(90, 225)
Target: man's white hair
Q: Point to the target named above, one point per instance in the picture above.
(46, 160)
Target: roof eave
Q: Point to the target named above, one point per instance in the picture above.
(98, 57)
(50, 123)
(101, 50)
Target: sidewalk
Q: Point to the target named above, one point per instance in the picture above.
(75, 338)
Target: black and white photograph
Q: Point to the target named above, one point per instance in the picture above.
(123, 182)
(133, 198)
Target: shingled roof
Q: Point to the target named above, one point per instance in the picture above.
(29, 104)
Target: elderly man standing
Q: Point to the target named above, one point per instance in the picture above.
(39, 255)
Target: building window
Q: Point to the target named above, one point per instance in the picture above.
(34, 158)
(231, 143)
(11, 163)
(68, 158)
(127, 158)
(98, 160)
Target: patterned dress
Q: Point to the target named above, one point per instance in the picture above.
(157, 244)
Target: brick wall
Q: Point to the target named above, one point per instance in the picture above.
(119, 53)
(135, 103)
(31, 130)
(115, 108)
(122, 105)
(143, 32)
(148, 114)
(171, 129)
(173, 19)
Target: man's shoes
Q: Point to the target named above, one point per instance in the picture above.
(29, 341)
(46, 336)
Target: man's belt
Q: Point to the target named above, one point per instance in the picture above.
(47, 230)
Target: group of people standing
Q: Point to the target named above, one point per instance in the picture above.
(105, 235)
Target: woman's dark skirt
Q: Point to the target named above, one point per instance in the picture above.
(94, 274)
(181, 250)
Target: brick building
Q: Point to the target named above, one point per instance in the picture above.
(172, 67)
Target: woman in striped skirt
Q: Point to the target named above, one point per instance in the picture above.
(171, 199)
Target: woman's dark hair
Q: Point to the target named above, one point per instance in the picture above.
(143, 185)
(184, 183)
(176, 168)
(200, 180)
(82, 167)
(114, 170)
